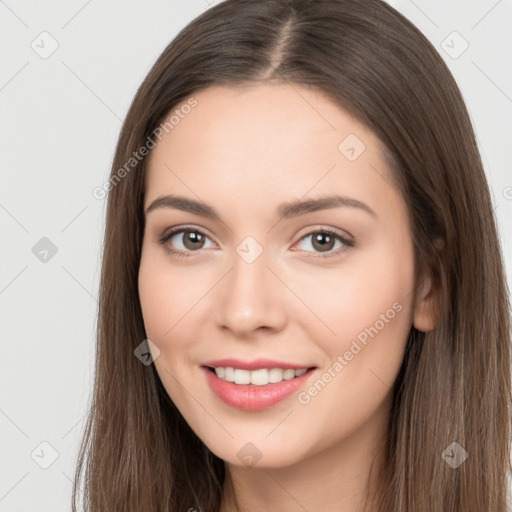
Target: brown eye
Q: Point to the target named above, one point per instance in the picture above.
(193, 240)
(323, 241)
(184, 242)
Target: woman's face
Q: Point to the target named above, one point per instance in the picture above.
(256, 280)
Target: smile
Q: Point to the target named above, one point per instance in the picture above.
(255, 390)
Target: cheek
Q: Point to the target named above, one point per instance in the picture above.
(166, 295)
(171, 299)
(368, 308)
(155, 300)
(174, 303)
(364, 307)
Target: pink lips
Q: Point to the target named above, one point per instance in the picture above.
(251, 397)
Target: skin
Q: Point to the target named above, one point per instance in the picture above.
(244, 151)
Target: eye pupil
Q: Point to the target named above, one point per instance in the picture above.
(193, 240)
(324, 240)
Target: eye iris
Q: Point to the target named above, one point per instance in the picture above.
(193, 240)
(325, 240)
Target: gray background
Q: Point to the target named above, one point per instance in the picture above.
(60, 117)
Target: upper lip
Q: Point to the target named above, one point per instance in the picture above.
(255, 364)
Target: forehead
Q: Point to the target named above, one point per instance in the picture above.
(272, 113)
(261, 138)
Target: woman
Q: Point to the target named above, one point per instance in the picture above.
(303, 303)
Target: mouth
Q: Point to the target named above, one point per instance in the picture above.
(257, 389)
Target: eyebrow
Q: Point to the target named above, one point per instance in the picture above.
(286, 210)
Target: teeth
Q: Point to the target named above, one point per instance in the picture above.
(260, 377)
(242, 376)
(275, 375)
(230, 374)
(288, 374)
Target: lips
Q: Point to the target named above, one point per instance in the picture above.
(262, 393)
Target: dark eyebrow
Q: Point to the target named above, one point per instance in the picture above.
(295, 208)
(286, 210)
(184, 204)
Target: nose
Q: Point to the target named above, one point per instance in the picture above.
(250, 298)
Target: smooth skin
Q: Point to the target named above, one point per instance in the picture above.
(245, 151)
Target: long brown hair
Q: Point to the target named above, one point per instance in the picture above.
(137, 452)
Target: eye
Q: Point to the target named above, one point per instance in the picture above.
(188, 240)
(324, 241)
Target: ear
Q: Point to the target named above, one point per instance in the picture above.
(426, 315)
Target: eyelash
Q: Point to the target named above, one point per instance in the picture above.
(186, 254)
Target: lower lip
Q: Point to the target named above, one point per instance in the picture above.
(253, 398)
